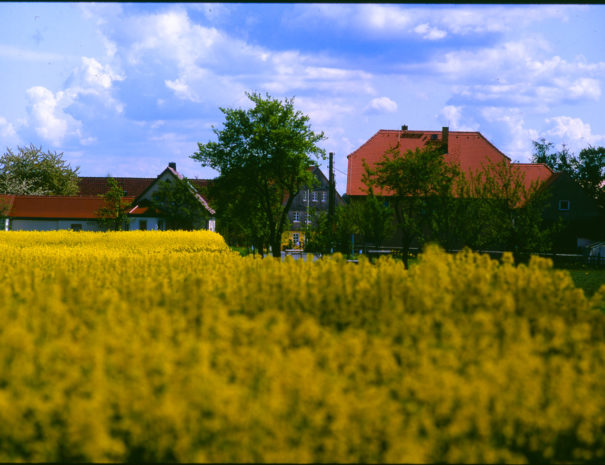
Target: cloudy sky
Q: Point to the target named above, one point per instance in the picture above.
(123, 89)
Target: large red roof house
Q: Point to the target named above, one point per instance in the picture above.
(471, 150)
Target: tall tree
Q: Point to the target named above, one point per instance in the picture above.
(417, 181)
(266, 149)
(114, 214)
(31, 171)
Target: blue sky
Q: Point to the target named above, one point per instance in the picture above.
(123, 89)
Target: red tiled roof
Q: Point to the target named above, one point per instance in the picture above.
(134, 187)
(470, 149)
(34, 206)
(534, 172)
(99, 186)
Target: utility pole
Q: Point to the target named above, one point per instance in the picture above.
(331, 192)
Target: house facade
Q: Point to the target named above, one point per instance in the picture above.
(79, 213)
(310, 201)
(580, 215)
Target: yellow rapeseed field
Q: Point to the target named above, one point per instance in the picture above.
(167, 346)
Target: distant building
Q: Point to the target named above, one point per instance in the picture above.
(309, 201)
(45, 213)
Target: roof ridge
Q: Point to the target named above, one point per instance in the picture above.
(84, 197)
(535, 164)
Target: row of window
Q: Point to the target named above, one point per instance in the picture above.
(297, 216)
(142, 225)
(315, 196)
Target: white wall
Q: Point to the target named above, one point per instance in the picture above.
(152, 224)
(134, 224)
(51, 225)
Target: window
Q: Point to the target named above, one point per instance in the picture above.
(305, 196)
(315, 196)
(324, 196)
(143, 225)
(295, 238)
(76, 227)
(564, 205)
(296, 217)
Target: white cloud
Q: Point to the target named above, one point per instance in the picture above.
(16, 53)
(7, 130)
(47, 110)
(8, 134)
(206, 65)
(428, 32)
(573, 131)
(50, 121)
(430, 23)
(379, 17)
(453, 117)
(97, 75)
(381, 105)
(323, 111)
(519, 146)
(585, 87)
(520, 73)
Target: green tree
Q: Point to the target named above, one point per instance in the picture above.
(265, 150)
(590, 172)
(31, 171)
(114, 214)
(370, 219)
(417, 181)
(178, 203)
(239, 222)
(587, 169)
(497, 209)
(347, 228)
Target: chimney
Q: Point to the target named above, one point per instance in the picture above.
(445, 132)
(172, 165)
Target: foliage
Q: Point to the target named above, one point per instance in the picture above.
(114, 214)
(239, 217)
(370, 218)
(588, 168)
(166, 346)
(33, 172)
(498, 210)
(418, 181)
(175, 201)
(265, 151)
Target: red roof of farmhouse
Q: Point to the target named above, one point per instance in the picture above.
(90, 185)
(36, 206)
(469, 149)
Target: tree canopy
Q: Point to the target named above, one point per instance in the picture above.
(266, 152)
(31, 171)
(497, 209)
(587, 169)
(176, 203)
(418, 181)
